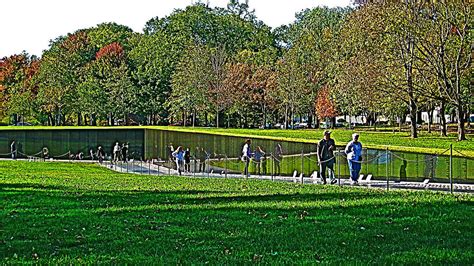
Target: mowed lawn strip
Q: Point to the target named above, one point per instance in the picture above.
(81, 213)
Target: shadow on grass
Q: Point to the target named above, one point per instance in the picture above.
(64, 225)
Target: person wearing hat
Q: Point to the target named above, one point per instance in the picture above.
(354, 157)
(326, 158)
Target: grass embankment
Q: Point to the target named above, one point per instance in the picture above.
(76, 213)
(430, 143)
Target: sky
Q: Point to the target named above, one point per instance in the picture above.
(30, 24)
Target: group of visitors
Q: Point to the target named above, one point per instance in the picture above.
(325, 154)
(120, 152)
(326, 158)
(181, 158)
(258, 157)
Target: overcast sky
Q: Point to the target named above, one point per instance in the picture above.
(30, 24)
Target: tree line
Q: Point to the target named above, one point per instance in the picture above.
(223, 67)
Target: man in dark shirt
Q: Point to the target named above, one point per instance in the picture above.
(326, 158)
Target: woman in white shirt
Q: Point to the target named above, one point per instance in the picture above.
(354, 157)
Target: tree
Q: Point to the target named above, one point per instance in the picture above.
(309, 43)
(113, 75)
(17, 89)
(445, 47)
(190, 83)
(325, 106)
(153, 58)
(60, 74)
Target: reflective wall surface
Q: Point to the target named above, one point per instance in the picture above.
(222, 153)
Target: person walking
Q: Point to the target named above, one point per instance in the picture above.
(258, 159)
(100, 154)
(278, 156)
(246, 155)
(116, 152)
(354, 157)
(125, 152)
(326, 158)
(178, 154)
(13, 150)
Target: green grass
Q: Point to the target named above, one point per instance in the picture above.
(76, 213)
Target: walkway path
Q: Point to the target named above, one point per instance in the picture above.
(137, 167)
(153, 169)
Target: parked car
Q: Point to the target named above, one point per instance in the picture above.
(325, 125)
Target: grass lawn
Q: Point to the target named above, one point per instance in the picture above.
(78, 213)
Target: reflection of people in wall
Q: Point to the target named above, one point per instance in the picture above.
(45, 153)
(403, 171)
(201, 156)
(277, 158)
(13, 149)
(430, 166)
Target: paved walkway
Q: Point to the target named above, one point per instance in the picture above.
(153, 169)
(137, 167)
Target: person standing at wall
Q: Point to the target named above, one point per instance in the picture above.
(258, 159)
(125, 152)
(100, 154)
(178, 154)
(187, 160)
(354, 157)
(116, 152)
(326, 158)
(278, 156)
(246, 155)
(13, 150)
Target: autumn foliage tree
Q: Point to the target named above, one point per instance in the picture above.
(325, 106)
(17, 90)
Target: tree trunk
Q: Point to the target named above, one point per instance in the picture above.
(310, 120)
(414, 132)
(442, 116)
(79, 118)
(419, 119)
(286, 117)
(292, 117)
(430, 119)
(92, 120)
(183, 118)
(111, 119)
(264, 117)
(461, 129)
(468, 118)
(217, 118)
